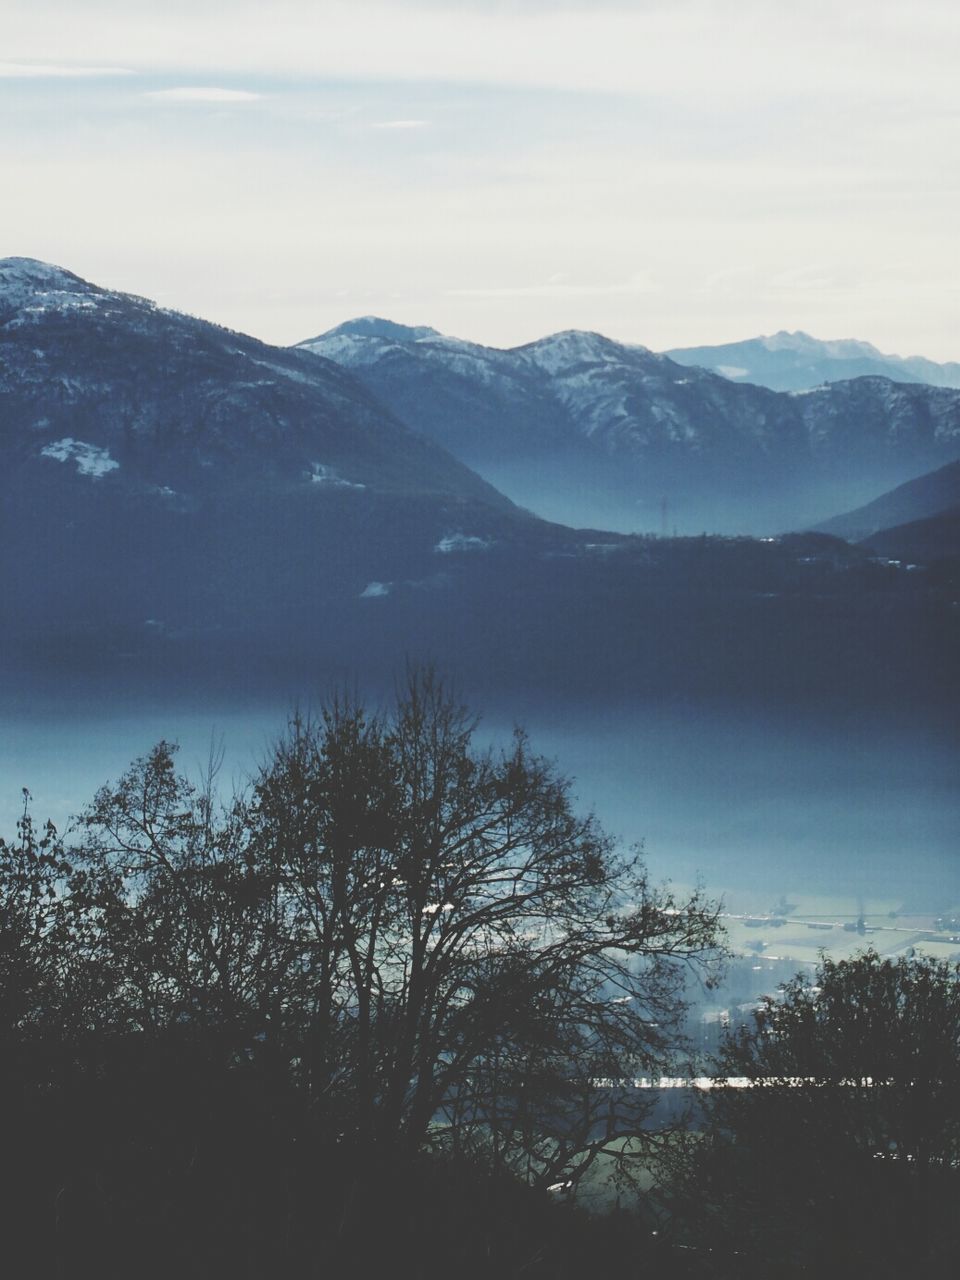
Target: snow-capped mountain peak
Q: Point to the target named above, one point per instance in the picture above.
(377, 327)
(572, 347)
(23, 280)
(32, 273)
(31, 290)
(805, 344)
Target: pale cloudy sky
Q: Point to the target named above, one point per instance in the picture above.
(669, 172)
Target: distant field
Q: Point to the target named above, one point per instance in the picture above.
(816, 923)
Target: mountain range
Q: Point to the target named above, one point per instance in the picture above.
(182, 502)
(162, 470)
(585, 430)
(796, 362)
(116, 386)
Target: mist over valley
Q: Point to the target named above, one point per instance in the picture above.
(588, 431)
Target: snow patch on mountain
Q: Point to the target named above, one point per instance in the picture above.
(454, 542)
(324, 475)
(571, 347)
(31, 288)
(350, 349)
(31, 273)
(91, 460)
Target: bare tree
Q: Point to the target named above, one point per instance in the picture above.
(486, 970)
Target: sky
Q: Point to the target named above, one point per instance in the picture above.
(668, 172)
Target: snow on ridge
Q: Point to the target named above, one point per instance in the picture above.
(731, 371)
(784, 340)
(454, 542)
(560, 350)
(27, 284)
(846, 348)
(33, 288)
(91, 460)
(345, 348)
(829, 348)
(24, 272)
(380, 327)
(455, 344)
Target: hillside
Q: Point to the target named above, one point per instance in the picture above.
(937, 538)
(928, 495)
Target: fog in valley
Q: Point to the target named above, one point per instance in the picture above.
(753, 805)
(582, 490)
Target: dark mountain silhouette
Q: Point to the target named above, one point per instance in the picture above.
(920, 542)
(929, 495)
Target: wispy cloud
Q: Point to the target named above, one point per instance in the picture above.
(55, 70)
(725, 146)
(811, 276)
(203, 94)
(688, 47)
(639, 283)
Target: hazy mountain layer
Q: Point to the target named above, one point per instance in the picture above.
(929, 495)
(795, 362)
(586, 430)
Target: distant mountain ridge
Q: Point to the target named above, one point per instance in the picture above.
(795, 361)
(586, 430)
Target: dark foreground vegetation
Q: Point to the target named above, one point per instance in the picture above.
(367, 1017)
(838, 1153)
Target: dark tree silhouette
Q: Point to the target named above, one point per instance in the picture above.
(476, 956)
(836, 1144)
(32, 867)
(396, 961)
